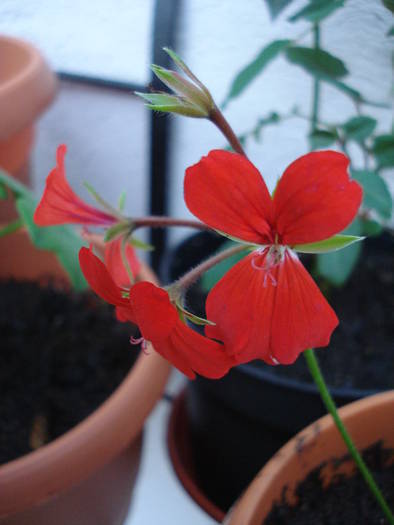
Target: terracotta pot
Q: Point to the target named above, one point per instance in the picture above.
(27, 86)
(85, 476)
(367, 420)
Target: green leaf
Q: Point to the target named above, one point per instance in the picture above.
(11, 227)
(254, 68)
(317, 10)
(341, 86)
(389, 4)
(62, 240)
(359, 128)
(376, 194)
(391, 31)
(337, 266)
(3, 192)
(214, 274)
(337, 242)
(371, 228)
(383, 149)
(275, 7)
(317, 62)
(13, 185)
(321, 138)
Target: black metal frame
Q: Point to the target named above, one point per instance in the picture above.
(164, 30)
(164, 33)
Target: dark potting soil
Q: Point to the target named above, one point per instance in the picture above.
(360, 354)
(62, 354)
(346, 501)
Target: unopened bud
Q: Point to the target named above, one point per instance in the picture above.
(190, 98)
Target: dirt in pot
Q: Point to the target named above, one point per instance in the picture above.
(344, 500)
(62, 354)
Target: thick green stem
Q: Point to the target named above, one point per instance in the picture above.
(329, 403)
(316, 82)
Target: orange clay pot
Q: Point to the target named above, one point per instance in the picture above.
(86, 476)
(367, 420)
(27, 86)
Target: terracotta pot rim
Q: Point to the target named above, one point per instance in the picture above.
(307, 438)
(35, 58)
(177, 462)
(19, 111)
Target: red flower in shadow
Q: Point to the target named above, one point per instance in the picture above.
(150, 308)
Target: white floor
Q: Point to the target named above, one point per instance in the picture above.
(159, 498)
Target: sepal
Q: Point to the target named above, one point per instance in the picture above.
(332, 244)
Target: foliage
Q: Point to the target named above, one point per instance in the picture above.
(61, 240)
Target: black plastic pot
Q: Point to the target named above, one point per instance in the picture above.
(237, 423)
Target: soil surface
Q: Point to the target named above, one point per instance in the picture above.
(360, 354)
(62, 354)
(345, 501)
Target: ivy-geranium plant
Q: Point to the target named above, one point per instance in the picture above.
(266, 306)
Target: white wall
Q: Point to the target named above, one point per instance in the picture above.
(216, 38)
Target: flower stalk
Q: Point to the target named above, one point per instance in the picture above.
(177, 289)
(159, 221)
(216, 116)
(329, 403)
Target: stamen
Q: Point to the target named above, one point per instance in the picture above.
(142, 341)
(272, 259)
(135, 341)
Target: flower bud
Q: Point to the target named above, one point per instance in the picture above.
(191, 98)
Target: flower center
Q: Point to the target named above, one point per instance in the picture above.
(266, 259)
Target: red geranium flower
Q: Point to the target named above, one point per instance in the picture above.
(60, 205)
(267, 306)
(150, 308)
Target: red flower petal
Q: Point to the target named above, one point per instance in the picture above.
(99, 279)
(159, 323)
(114, 262)
(155, 315)
(60, 205)
(315, 198)
(269, 314)
(227, 192)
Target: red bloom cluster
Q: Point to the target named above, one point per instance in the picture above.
(267, 306)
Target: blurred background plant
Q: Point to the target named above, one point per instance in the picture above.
(355, 133)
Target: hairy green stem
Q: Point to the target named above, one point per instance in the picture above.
(329, 403)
